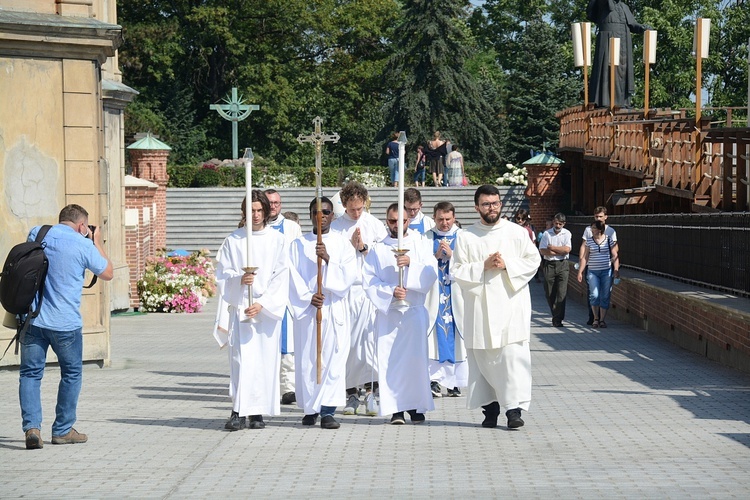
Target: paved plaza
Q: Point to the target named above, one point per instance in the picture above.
(616, 413)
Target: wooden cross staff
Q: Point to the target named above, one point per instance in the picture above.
(318, 138)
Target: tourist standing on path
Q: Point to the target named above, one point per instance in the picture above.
(253, 330)
(419, 167)
(72, 246)
(418, 221)
(291, 231)
(391, 150)
(436, 151)
(555, 246)
(493, 263)
(401, 320)
(454, 168)
(363, 230)
(600, 214)
(599, 257)
(339, 272)
(445, 305)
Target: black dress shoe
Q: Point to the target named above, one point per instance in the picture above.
(288, 398)
(398, 418)
(328, 422)
(514, 418)
(416, 418)
(491, 412)
(235, 422)
(310, 419)
(256, 422)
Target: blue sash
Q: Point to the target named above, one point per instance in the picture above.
(445, 327)
(284, 326)
(417, 226)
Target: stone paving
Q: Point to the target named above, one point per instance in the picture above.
(616, 413)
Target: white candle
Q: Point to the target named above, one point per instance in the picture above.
(401, 155)
(249, 204)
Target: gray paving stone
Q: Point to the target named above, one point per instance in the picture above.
(615, 414)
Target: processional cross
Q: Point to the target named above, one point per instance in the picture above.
(318, 138)
(235, 111)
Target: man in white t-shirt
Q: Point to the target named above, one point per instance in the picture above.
(600, 213)
(555, 246)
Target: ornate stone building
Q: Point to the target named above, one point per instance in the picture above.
(61, 136)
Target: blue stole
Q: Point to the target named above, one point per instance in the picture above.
(284, 325)
(418, 226)
(445, 327)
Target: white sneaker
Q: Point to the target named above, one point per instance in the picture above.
(371, 407)
(352, 403)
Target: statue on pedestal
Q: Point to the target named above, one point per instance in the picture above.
(613, 20)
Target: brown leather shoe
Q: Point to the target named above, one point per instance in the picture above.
(34, 440)
(72, 437)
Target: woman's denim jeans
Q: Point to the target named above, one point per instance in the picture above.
(600, 287)
(69, 349)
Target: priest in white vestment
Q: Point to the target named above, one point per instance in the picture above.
(493, 263)
(363, 230)
(291, 232)
(339, 271)
(400, 326)
(447, 353)
(253, 331)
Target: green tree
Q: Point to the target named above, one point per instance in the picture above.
(538, 88)
(430, 87)
(296, 59)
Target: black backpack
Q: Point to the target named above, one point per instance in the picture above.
(22, 280)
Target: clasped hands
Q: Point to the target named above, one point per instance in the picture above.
(494, 261)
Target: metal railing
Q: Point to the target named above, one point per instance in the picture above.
(711, 250)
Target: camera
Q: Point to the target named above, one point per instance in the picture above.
(91, 232)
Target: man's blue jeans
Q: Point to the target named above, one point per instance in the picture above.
(69, 349)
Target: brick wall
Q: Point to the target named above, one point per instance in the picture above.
(151, 165)
(141, 229)
(545, 193)
(718, 332)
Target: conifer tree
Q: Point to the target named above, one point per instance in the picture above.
(430, 86)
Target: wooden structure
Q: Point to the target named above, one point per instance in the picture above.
(662, 163)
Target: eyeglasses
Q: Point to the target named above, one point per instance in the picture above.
(274, 203)
(395, 221)
(487, 204)
(325, 211)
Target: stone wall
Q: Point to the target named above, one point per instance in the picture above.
(687, 319)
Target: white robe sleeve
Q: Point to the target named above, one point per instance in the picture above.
(377, 288)
(271, 290)
(523, 265)
(422, 270)
(229, 272)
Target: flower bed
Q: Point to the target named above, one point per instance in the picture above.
(177, 283)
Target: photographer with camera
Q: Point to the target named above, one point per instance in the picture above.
(72, 246)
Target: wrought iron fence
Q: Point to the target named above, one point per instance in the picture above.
(705, 249)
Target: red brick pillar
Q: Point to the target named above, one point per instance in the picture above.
(544, 190)
(139, 230)
(148, 159)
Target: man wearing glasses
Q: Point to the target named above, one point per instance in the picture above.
(291, 232)
(418, 221)
(494, 261)
(339, 271)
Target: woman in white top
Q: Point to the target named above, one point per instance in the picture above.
(598, 254)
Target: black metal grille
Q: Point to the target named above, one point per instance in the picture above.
(706, 249)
